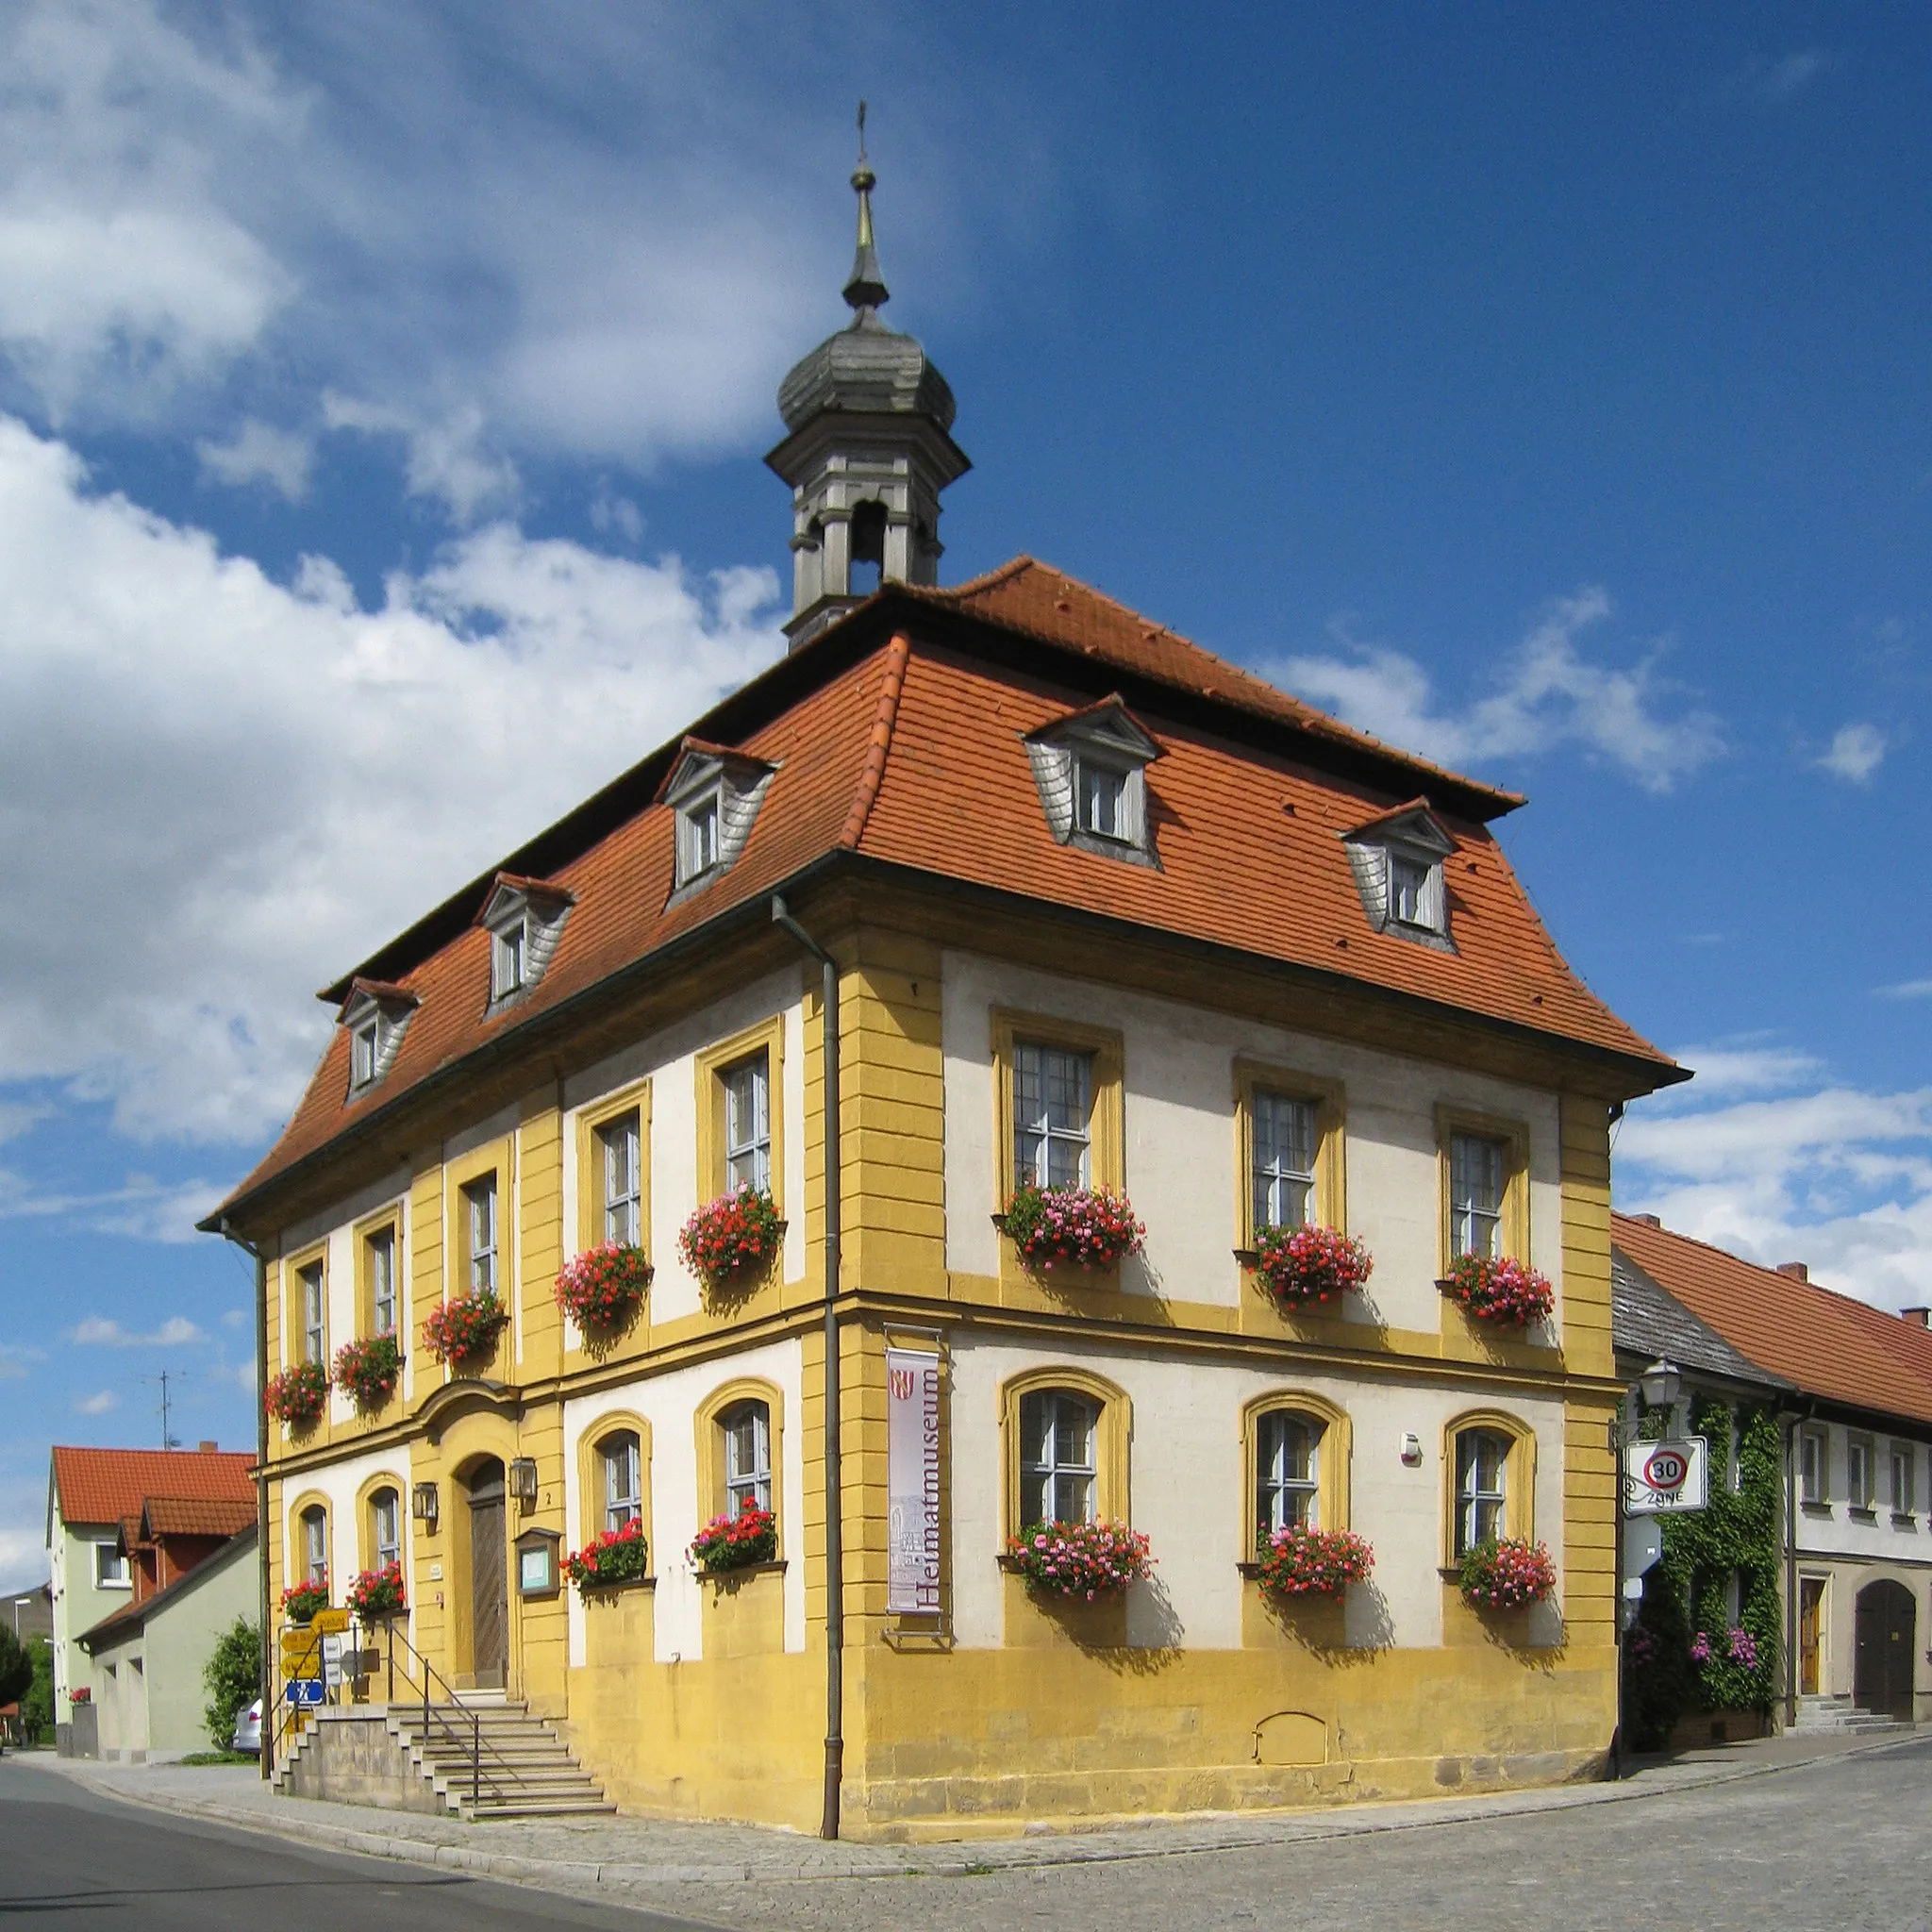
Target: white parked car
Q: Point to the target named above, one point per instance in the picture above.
(248, 1730)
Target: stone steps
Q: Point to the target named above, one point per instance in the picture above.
(1816, 1714)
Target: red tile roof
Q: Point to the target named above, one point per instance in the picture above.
(197, 1515)
(911, 752)
(103, 1486)
(1833, 1347)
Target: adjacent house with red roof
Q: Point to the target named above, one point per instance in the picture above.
(1066, 914)
(124, 1525)
(1859, 1533)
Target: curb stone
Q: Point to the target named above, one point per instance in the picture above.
(979, 1859)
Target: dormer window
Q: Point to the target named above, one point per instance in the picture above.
(1092, 772)
(1397, 861)
(374, 1016)
(714, 793)
(524, 920)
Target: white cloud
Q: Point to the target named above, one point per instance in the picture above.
(103, 1331)
(140, 1208)
(447, 460)
(1741, 1066)
(1784, 79)
(1908, 989)
(1855, 752)
(16, 1358)
(1549, 695)
(235, 1317)
(103, 1401)
(259, 453)
(234, 789)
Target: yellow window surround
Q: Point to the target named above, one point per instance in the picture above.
(1519, 1474)
(1513, 1135)
(635, 1100)
(591, 1476)
(295, 1544)
(709, 1423)
(294, 1315)
(493, 1157)
(365, 1514)
(1105, 1119)
(1334, 1453)
(390, 1221)
(1112, 1434)
(712, 1064)
(1331, 1117)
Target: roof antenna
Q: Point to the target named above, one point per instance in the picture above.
(866, 291)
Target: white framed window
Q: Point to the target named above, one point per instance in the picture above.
(381, 1258)
(1058, 1470)
(699, 824)
(365, 1050)
(1090, 770)
(1415, 891)
(508, 959)
(1100, 794)
(1285, 1139)
(1857, 1473)
(1813, 1485)
(315, 1543)
(110, 1568)
(386, 1515)
(1287, 1471)
(1398, 863)
(1903, 1499)
(1478, 1171)
(1053, 1112)
(315, 1314)
(620, 1459)
(747, 1428)
(479, 1211)
(1482, 1463)
(748, 1124)
(619, 1143)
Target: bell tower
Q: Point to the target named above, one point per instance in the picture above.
(868, 448)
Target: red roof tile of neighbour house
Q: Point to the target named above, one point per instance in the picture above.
(911, 752)
(222, 1516)
(104, 1486)
(1833, 1347)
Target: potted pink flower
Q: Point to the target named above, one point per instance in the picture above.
(735, 1543)
(376, 1595)
(601, 1289)
(297, 1395)
(1300, 1265)
(1507, 1293)
(731, 1240)
(462, 1331)
(1085, 1560)
(1507, 1574)
(1302, 1561)
(369, 1370)
(618, 1556)
(1080, 1227)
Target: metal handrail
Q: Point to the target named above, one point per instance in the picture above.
(431, 1714)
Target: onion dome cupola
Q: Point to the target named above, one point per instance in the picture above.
(867, 451)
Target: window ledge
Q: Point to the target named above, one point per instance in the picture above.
(618, 1585)
(1864, 1514)
(1904, 1519)
(1815, 1509)
(774, 1567)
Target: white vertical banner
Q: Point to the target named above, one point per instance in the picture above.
(912, 1480)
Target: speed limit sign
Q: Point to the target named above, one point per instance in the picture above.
(1660, 1478)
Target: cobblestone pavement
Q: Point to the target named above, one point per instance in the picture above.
(1790, 1833)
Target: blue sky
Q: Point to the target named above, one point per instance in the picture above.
(1546, 392)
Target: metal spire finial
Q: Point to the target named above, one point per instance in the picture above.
(866, 289)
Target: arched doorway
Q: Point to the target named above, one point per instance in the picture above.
(1887, 1645)
(489, 1575)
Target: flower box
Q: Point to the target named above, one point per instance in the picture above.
(619, 1555)
(1507, 1574)
(376, 1593)
(731, 1238)
(1507, 1293)
(1079, 1227)
(1302, 1265)
(297, 1395)
(735, 1543)
(301, 1601)
(369, 1370)
(1304, 1562)
(464, 1328)
(84, 1695)
(1084, 1560)
(603, 1287)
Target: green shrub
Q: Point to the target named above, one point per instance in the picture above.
(232, 1678)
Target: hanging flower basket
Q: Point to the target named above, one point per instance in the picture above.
(301, 1601)
(729, 1239)
(735, 1543)
(376, 1593)
(1509, 1293)
(297, 1395)
(1303, 1562)
(1298, 1265)
(1080, 1227)
(369, 1370)
(464, 1329)
(1507, 1574)
(1087, 1560)
(619, 1555)
(604, 1287)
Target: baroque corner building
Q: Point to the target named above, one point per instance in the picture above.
(1104, 911)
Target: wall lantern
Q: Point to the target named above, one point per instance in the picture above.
(422, 1506)
(1661, 1384)
(522, 1480)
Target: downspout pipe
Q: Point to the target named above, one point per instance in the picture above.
(835, 1492)
(267, 1684)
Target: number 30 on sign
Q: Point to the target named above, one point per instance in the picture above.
(1662, 1477)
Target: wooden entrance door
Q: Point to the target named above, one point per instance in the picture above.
(1810, 1633)
(1886, 1633)
(489, 1579)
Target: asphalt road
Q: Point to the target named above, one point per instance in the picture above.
(71, 1859)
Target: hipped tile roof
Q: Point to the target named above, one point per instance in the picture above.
(104, 1486)
(912, 753)
(196, 1515)
(1829, 1345)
